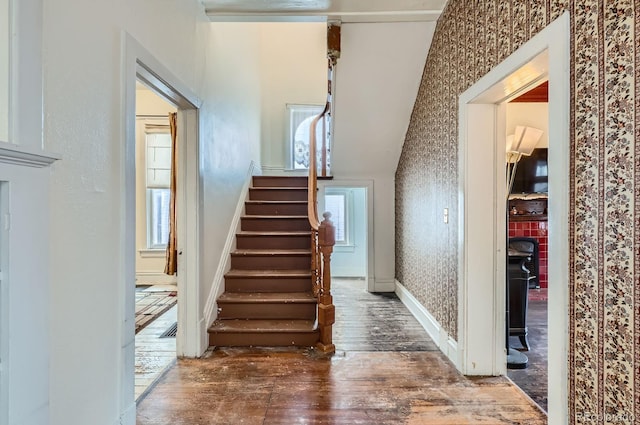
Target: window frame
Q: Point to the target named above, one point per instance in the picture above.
(151, 207)
(347, 197)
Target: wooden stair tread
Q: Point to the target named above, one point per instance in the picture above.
(279, 188)
(259, 201)
(273, 233)
(268, 273)
(260, 325)
(269, 297)
(279, 217)
(271, 252)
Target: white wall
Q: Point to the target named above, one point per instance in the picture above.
(294, 70)
(25, 281)
(535, 114)
(149, 265)
(234, 132)
(377, 79)
(4, 70)
(84, 46)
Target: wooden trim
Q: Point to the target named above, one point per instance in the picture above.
(18, 155)
(538, 94)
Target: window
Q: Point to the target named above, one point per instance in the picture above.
(335, 201)
(158, 158)
(300, 118)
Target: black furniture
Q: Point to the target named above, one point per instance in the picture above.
(519, 278)
(529, 246)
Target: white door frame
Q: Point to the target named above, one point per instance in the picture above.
(482, 206)
(4, 301)
(139, 64)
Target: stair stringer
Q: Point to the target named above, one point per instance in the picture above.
(224, 264)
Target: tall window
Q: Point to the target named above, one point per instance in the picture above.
(158, 157)
(335, 201)
(300, 117)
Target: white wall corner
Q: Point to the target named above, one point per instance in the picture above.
(445, 343)
(385, 285)
(203, 327)
(217, 288)
(128, 417)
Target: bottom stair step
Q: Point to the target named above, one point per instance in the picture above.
(263, 333)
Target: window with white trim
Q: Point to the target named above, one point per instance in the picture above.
(158, 159)
(336, 202)
(300, 118)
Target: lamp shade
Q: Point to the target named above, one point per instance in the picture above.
(524, 140)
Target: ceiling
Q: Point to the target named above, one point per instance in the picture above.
(322, 10)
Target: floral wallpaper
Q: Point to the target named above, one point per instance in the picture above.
(472, 37)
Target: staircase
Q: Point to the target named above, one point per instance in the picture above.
(268, 298)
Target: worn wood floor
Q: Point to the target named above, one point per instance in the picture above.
(533, 379)
(408, 382)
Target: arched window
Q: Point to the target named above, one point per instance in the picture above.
(300, 118)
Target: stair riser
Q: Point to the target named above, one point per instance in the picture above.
(274, 224)
(273, 242)
(277, 194)
(274, 181)
(250, 262)
(276, 209)
(305, 311)
(268, 285)
(260, 339)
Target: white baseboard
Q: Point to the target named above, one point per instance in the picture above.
(445, 343)
(224, 264)
(145, 277)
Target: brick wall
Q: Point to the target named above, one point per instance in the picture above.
(538, 231)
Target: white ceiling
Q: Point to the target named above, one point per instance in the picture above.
(321, 10)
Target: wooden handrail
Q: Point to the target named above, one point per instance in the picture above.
(312, 196)
(322, 233)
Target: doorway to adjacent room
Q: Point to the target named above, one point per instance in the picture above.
(482, 220)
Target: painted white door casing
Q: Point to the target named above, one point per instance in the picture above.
(481, 286)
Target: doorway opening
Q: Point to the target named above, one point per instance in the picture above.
(527, 117)
(351, 206)
(156, 292)
(141, 67)
(482, 219)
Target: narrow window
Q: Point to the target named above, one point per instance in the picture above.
(336, 203)
(158, 182)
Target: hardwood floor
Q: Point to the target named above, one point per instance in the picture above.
(533, 379)
(388, 375)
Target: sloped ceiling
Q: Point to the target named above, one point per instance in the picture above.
(344, 10)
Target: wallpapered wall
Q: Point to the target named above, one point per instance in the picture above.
(471, 38)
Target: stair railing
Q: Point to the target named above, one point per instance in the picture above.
(323, 234)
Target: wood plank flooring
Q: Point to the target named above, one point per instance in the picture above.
(363, 383)
(533, 379)
(154, 354)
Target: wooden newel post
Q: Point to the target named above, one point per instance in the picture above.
(326, 309)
